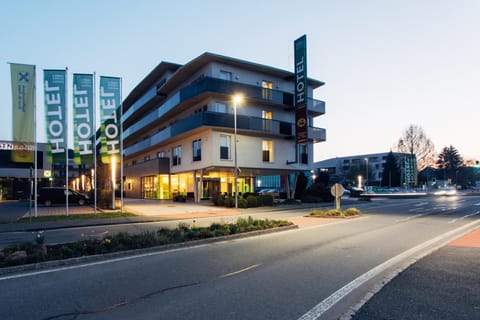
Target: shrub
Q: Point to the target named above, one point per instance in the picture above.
(252, 201)
(265, 200)
(243, 203)
(229, 202)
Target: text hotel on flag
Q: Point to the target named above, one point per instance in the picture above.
(110, 113)
(83, 119)
(56, 114)
(23, 111)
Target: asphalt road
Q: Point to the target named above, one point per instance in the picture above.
(309, 273)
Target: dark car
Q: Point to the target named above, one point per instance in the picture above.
(49, 196)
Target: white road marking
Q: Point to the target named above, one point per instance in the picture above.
(412, 217)
(464, 217)
(420, 204)
(239, 271)
(317, 311)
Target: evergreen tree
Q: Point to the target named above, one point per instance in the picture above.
(449, 161)
(391, 172)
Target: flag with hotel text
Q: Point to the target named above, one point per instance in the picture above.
(54, 84)
(110, 117)
(23, 112)
(83, 119)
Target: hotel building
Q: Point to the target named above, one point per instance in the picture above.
(179, 126)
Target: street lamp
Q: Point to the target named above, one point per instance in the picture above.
(236, 100)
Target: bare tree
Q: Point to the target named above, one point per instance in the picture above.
(415, 141)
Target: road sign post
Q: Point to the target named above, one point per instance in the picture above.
(337, 191)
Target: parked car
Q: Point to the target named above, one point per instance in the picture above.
(54, 195)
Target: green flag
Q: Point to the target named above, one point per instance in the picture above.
(23, 111)
(110, 113)
(83, 126)
(56, 114)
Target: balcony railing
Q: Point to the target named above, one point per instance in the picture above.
(316, 107)
(214, 119)
(215, 85)
(317, 134)
(224, 120)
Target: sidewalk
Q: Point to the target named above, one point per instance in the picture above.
(443, 285)
(147, 211)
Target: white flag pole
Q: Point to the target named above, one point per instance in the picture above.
(121, 149)
(94, 175)
(66, 141)
(35, 138)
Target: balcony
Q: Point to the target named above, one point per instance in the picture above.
(315, 107)
(317, 134)
(225, 120)
(215, 119)
(218, 86)
(215, 85)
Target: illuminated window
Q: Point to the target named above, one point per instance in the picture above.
(267, 150)
(267, 120)
(267, 90)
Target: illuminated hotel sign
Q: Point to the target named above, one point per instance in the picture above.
(301, 89)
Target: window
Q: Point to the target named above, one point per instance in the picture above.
(177, 156)
(161, 154)
(267, 150)
(225, 75)
(267, 120)
(219, 107)
(146, 158)
(225, 143)
(303, 153)
(197, 150)
(267, 90)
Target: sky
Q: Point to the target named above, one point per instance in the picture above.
(385, 64)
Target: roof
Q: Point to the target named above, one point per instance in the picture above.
(183, 73)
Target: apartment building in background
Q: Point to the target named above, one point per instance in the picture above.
(341, 168)
(179, 121)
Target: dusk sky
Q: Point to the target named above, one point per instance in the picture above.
(386, 64)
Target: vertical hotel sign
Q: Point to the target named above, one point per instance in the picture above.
(56, 114)
(301, 89)
(84, 128)
(110, 98)
(23, 111)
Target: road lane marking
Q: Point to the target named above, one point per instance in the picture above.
(464, 217)
(420, 204)
(325, 305)
(239, 271)
(412, 217)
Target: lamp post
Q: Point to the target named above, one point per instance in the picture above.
(236, 100)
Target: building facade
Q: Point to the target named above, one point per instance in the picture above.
(16, 178)
(341, 169)
(179, 128)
